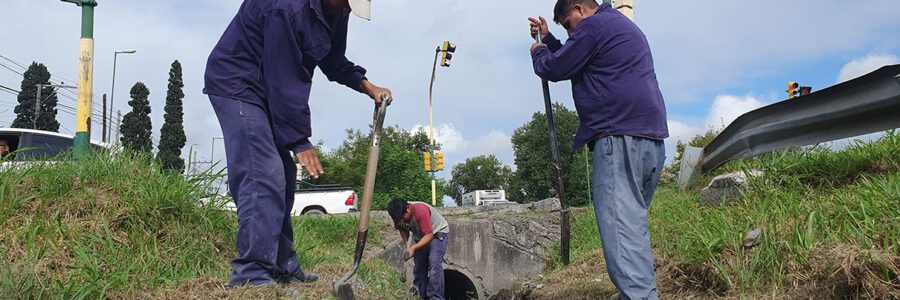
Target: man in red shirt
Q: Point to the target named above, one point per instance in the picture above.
(429, 235)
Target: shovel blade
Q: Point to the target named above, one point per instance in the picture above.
(343, 290)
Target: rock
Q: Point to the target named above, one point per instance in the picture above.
(546, 205)
(726, 187)
(539, 286)
(598, 279)
(751, 239)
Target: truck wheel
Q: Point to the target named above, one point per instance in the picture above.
(314, 212)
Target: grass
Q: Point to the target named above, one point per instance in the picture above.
(830, 222)
(118, 228)
(108, 227)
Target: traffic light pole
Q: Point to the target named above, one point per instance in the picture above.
(85, 77)
(431, 127)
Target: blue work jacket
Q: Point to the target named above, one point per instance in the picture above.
(267, 56)
(614, 85)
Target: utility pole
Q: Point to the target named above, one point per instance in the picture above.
(103, 132)
(85, 77)
(37, 101)
(446, 50)
(37, 104)
(118, 122)
(626, 7)
(212, 151)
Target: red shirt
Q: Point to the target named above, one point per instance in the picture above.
(422, 215)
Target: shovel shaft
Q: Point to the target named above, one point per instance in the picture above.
(557, 170)
(368, 189)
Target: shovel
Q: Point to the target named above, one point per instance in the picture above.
(341, 288)
(557, 171)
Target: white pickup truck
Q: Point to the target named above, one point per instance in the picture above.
(309, 199)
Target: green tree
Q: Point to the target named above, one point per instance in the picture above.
(136, 125)
(36, 74)
(534, 179)
(171, 138)
(483, 172)
(670, 172)
(401, 172)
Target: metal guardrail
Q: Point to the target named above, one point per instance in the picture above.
(867, 104)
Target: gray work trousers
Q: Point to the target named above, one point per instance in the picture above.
(626, 172)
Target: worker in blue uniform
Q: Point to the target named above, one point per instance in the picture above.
(622, 119)
(258, 79)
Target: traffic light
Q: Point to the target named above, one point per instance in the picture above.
(427, 162)
(439, 162)
(447, 50)
(805, 90)
(792, 90)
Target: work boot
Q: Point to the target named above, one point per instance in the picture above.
(299, 278)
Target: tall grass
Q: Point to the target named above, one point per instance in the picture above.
(829, 218)
(104, 226)
(117, 227)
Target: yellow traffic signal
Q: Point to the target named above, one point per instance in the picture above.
(439, 163)
(427, 162)
(792, 90)
(447, 48)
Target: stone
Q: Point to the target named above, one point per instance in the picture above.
(726, 188)
(546, 205)
(751, 239)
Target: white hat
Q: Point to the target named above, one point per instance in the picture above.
(362, 8)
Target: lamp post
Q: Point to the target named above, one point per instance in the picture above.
(112, 92)
(85, 77)
(445, 50)
(212, 151)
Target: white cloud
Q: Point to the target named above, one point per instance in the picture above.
(863, 65)
(726, 108)
(457, 149)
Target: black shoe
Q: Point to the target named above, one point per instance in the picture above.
(299, 278)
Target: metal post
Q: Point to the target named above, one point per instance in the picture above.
(626, 7)
(85, 76)
(212, 152)
(37, 104)
(103, 132)
(587, 173)
(112, 91)
(118, 122)
(431, 126)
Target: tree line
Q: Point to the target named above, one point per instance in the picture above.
(136, 125)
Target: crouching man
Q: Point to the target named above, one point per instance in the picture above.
(429, 236)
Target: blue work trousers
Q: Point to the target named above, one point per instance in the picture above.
(626, 172)
(261, 179)
(428, 273)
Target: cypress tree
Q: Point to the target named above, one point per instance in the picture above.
(172, 137)
(25, 110)
(136, 125)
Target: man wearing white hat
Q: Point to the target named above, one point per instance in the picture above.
(258, 79)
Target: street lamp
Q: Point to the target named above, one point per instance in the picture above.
(213, 150)
(112, 92)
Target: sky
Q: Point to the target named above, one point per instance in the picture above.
(715, 60)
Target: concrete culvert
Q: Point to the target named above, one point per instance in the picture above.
(457, 286)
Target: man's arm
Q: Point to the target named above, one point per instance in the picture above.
(566, 61)
(405, 235)
(422, 243)
(339, 69)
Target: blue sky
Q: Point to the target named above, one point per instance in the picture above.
(714, 60)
